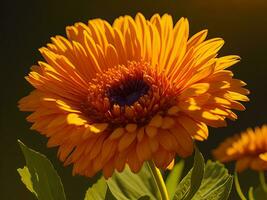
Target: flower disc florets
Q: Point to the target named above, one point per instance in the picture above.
(128, 94)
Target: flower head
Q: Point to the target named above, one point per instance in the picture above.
(249, 149)
(135, 91)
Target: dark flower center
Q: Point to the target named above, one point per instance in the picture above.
(128, 92)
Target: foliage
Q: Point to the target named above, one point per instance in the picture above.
(26, 178)
(99, 191)
(209, 181)
(260, 193)
(40, 177)
(174, 178)
(126, 185)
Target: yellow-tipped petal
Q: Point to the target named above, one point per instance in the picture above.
(75, 119)
(131, 127)
(151, 131)
(171, 165)
(167, 123)
(98, 127)
(173, 110)
(117, 133)
(126, 140)
(156, 121)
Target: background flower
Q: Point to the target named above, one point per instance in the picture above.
(249, 150)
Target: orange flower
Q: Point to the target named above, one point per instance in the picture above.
(249, 149)
(135, 91)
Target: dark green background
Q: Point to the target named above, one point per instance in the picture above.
(28, 25)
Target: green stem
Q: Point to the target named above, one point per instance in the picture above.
(262, 180)
(238, 188)
(159, 180)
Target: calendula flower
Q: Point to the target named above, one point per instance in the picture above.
(249, 149)
(137, 90)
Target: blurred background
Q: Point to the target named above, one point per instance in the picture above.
(27, 25)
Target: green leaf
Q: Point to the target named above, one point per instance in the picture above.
(45, 181)
(216, 183)
(99, 191)
(26, 178)
(125, 186)
(192, 181)
(259, 193)
(211, 183)
(109, 195)
(128, 185)
(144, 198)
(174, 178)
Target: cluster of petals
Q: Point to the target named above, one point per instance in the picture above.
(180, 87)
(249, 149)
